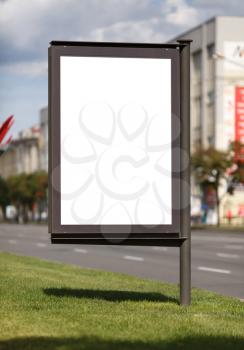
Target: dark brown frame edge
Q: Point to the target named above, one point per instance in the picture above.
(90, 234)
(185, 247)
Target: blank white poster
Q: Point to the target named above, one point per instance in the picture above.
(115, 141)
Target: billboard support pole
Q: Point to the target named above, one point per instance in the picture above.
(185, 248)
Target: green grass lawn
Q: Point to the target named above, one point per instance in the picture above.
(50, 306)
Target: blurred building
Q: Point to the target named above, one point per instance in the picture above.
(217, 81)
(28, 152)
(22, 155)
(44, 139)
(217, 90)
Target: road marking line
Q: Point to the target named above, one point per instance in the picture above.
(235, 247)
(160, 249)
(226, 240)
(41, 245)
(79, 250)
(134, 258)
(210, 269)
(232, 256)
(12, 241)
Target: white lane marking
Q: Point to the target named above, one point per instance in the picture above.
(12, 241)
(218, 239)
(231, 256)
(235, 247)
(134, 258)
(210, 269)
(160, 249)
(79, 250)
(41, 245)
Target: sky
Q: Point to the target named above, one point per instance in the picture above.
(27, 27)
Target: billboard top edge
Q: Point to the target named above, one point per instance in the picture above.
(116, 44)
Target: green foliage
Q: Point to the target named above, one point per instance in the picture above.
(20, 191)
(52, 306)
(236, 152)
(210, 165)
(4, 194)
(41, 183)
(26, 189)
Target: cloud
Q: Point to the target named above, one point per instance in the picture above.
(180, 13)
(26, 27)
(137, 31)
(211, 8)
(26, 68)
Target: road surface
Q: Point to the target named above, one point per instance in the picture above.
(217, 258)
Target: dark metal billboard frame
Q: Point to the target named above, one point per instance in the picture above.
(177, 234)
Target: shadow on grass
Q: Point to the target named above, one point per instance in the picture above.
(109, 295)
(94, 343)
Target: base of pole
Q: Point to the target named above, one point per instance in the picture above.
(185, 272)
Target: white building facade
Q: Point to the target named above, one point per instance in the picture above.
(44, 138)
(217, 90)
(22, 155)
(217, 81)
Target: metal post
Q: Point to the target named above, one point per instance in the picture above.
(185, 248)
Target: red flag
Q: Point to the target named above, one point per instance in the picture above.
(5, 128)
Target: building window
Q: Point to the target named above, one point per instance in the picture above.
(196, 62)
(210, 64)
(210, 51)
(210, 98)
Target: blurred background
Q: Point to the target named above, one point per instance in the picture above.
(217, 92)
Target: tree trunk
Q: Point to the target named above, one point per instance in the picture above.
(4, 212)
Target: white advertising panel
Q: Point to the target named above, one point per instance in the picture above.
(115, 141)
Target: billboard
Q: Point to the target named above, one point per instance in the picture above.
(239, 122)
(115, 143)
(233, 122)
(119, 144)
(239, 114)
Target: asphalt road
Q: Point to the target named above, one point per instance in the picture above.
(217, 258)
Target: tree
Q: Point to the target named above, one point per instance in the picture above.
(209, 167)
(236, 171)
(4, 196)
(39, 184)
(20, 194)
(26, 190)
